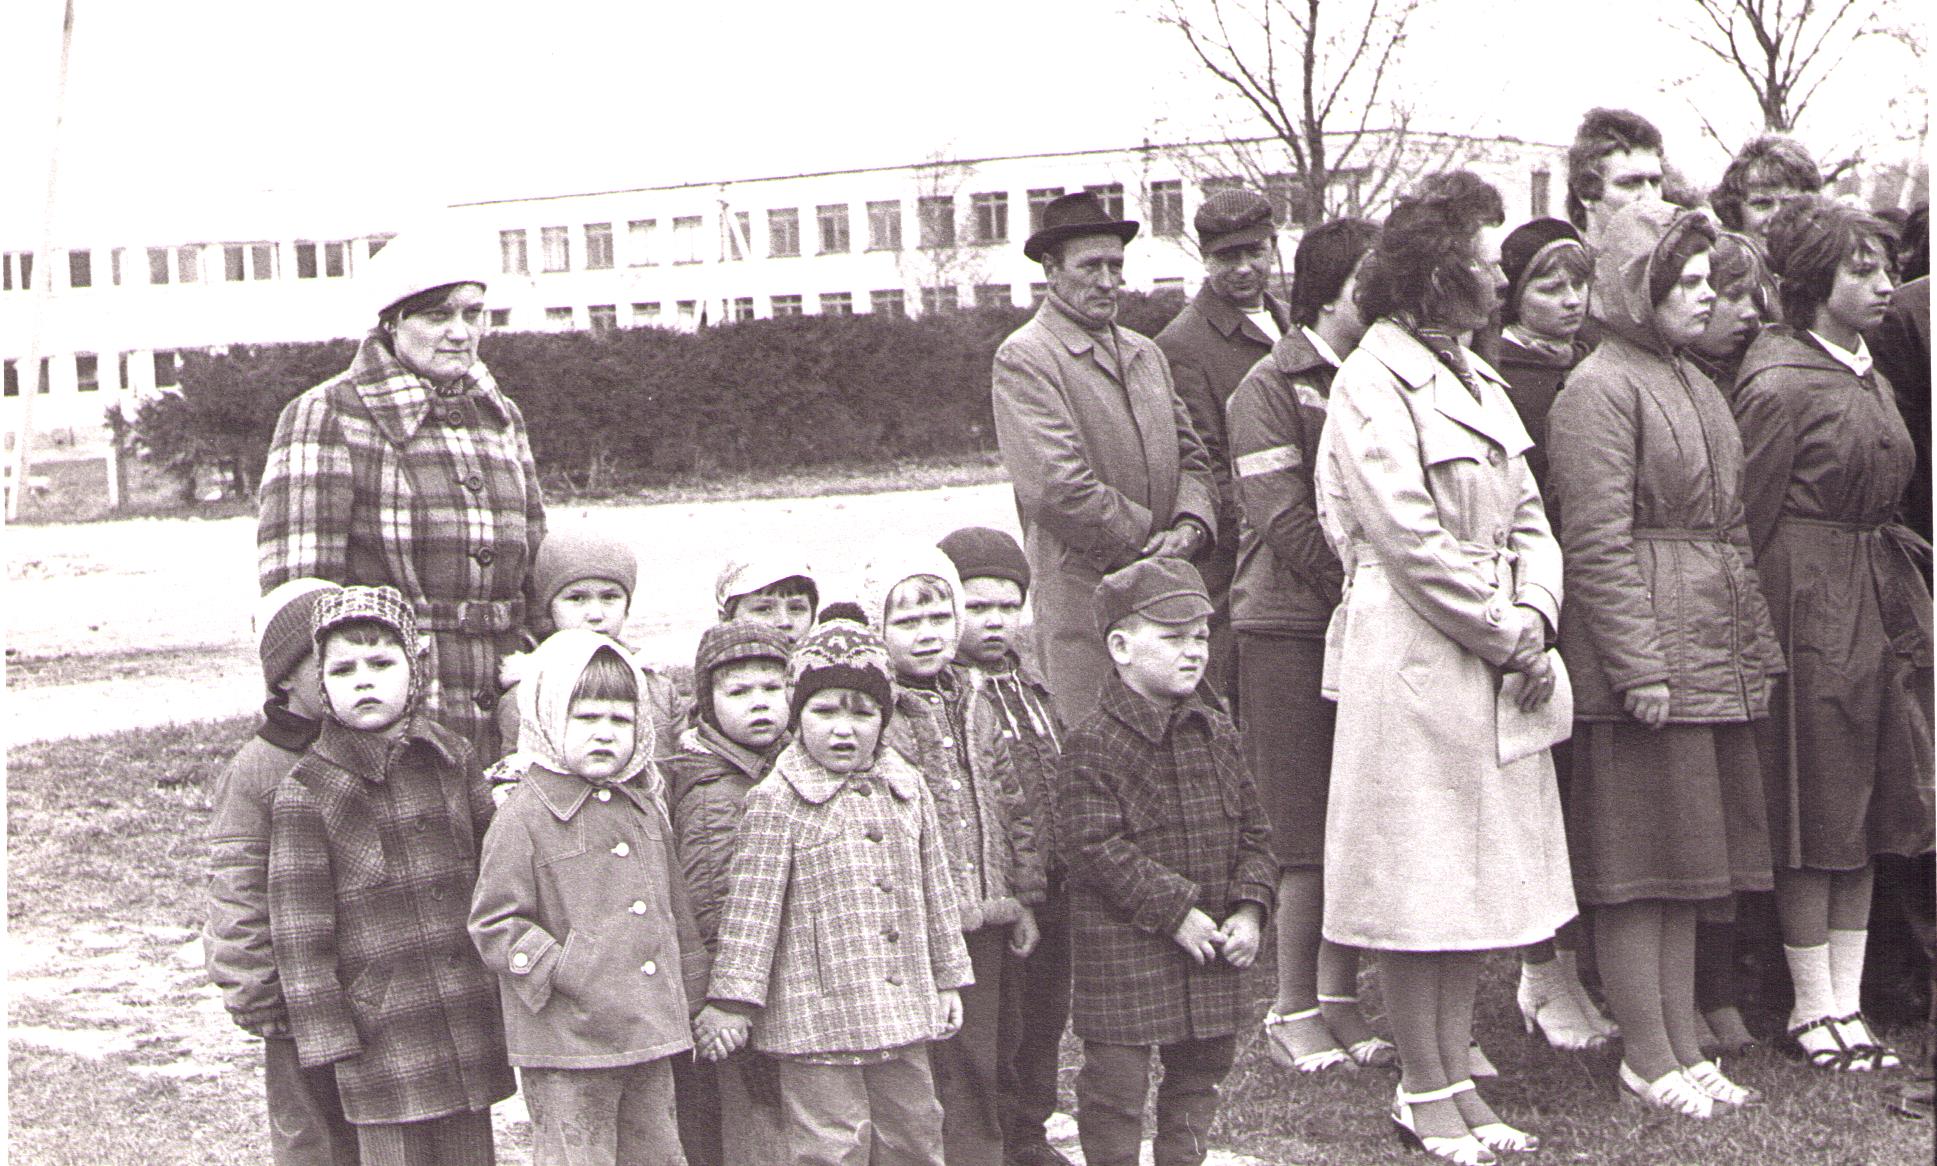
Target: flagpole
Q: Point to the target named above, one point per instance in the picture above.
(43, 287)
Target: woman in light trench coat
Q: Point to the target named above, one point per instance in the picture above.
(1435, 851)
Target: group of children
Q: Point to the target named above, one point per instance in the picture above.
(828, 909)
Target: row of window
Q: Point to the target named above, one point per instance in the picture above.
(87, 372)
(192, 263)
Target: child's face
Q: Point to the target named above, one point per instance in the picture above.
(839, 728)
(368, 684)
(791, 614)
(750, 702)
(594, 604)
(991, 611)
(304, 692)
(1161, 662)
(920, 634)
(599, 737)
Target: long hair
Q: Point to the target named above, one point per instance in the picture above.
(1423, 262)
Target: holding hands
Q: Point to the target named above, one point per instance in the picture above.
(951, 1013)
(719, 1033)
(1024, 934)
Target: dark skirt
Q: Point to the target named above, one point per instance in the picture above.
(1675, 813)
(1288, 739)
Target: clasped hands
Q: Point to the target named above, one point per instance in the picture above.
(719, 1032)
(1529, 658)
(1236, 940)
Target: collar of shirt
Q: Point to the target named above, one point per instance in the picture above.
(368, 755)
(1266, 322)
(1858, 362)
(1319, 346)
(1150, 722)
(399, 399)
(815, 783)
(564, 794)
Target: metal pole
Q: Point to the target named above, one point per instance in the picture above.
(43, 285)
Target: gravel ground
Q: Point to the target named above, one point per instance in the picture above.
(130, 624)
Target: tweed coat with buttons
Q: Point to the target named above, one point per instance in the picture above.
(841, 924)
(1157, 814)
(373, 852)
(376, 477)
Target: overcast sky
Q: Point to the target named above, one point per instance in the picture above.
(184, 113)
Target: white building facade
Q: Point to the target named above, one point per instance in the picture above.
(910, 239)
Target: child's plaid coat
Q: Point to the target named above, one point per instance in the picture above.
(375, 477)
(1156, 814)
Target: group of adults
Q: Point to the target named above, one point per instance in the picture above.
(1682, 512)
(1747, 637)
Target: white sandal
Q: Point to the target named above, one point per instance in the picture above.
(1465, 1150)
(1278, 1045)
(1374, 1052)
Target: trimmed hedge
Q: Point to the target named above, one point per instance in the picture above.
(628, 408)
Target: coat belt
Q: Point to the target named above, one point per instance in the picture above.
(1683, 534)
(476, 617)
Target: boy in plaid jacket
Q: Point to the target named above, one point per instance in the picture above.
(1170, 872)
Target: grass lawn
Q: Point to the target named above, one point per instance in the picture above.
(106, 873)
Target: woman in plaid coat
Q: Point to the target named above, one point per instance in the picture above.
(412, 469)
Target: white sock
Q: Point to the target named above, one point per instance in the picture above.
(1809, 974)
(1846, 968)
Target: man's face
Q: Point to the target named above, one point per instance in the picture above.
(1238, 273)
(1627, 176)
(1087, 276)
(1761, 201)
(991, 613)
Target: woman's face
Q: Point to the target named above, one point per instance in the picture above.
(441, 343)
(1554, 305)
(1731, 325)
(1861, 294)
(1489, 281)
(1682, 316)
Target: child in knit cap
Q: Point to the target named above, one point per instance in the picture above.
(372, 856)
(584, 578)
(739, 726)
(1008, 695)
(942, 726)
(840, 944)
(1170, 872)
(580, 910)
(306, 1126)
(773, 589)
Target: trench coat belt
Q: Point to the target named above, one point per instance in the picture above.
(1908, 542)
(477, 617)
(1681, 534)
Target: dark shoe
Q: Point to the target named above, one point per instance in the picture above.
(1034, 1153)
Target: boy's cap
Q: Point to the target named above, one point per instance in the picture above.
(745, 576)
(1164, 588)
(576, 551)
(1232, 218)
(841, 653)
(982, 552)
(385, 605)
(732, 642)
(283, 621)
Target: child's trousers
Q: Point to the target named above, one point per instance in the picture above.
(968, 1065)
(1110, 1090)
(883, 1114)
(461, 1137)
(306, 1122)
(1035, 1010)
(601, 1117)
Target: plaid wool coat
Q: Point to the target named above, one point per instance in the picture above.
(841, 923)
(1156, 813)
(377, 477)
(373, 853)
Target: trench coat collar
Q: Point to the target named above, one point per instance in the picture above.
(398, 399)
(368, 755)
(1413, 363)
(1146, 719)
(564, 793)
(1230, 320)
(816, 785)
(1079, 339)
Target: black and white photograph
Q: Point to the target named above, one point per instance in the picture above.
(1073, 583)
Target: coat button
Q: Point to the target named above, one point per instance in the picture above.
(454, 414)
(865, 789)
(486, 701)
(621, 849)
(474, 483)
(437, 891)
(484, 556)
(891, 935)
(520, 960)
(604, 795)
(649, 968)
(887, 888)
(638, 907)
(1495, 458)
(894, 981)
(420, 825)
(948, 742)
(872, 834)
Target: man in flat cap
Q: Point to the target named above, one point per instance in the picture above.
(1106, 465)
(1212, 343)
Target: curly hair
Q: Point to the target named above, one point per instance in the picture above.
(1423, 262)
(1602, 132)
(1770, 160)
(1324, 262)
(1809, 239)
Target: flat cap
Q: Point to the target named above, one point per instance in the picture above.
(1232, 218)
(1164, 588)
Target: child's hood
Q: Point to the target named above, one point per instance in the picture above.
(901, 561)
(545, 701)
(745, 576)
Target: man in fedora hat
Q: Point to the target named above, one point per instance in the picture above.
(1106, 464)
(1211, 344)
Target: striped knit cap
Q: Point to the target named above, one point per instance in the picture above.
(731, 642)
(841, 653)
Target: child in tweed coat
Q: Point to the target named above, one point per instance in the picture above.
(841, 937)
(373, 851)
(1170, 872)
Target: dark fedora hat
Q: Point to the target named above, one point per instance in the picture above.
(1074, 215)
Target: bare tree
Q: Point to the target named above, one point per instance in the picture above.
(1318, 74)
(1783, 49)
